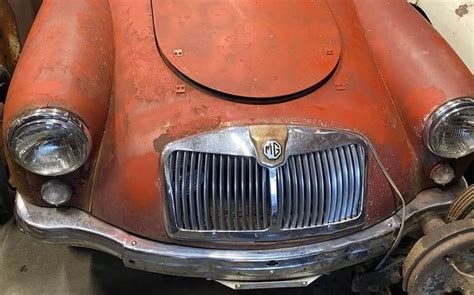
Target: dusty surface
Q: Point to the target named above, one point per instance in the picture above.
(28, 267)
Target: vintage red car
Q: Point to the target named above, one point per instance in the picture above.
(257, 143)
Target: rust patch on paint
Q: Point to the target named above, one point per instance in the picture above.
(161, 141)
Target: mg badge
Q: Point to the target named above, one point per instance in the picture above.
(272, 149)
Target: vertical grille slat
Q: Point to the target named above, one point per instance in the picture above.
(301, 190)
(332, 169)
(216, 192)
(294, 189)
(228, 214)
(207, 217)
(288, 196)
(243, 193)
(280, 195)
(358, 163)
(321, 188)
(345, 183)
(177, 203)
(192, 190)
(184, 195)
(257, 194)
(309, 197)
(251, 192)
(328, 189)
(330, 182)
(264, 200)
(199, 179)
(221, 193)
(314, 190)
(339, 196)
(236, 195)
(351, 184)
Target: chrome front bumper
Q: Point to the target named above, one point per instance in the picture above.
(74, 227)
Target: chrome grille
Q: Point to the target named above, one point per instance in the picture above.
(321, 188)
(219, 189)
(213, 192)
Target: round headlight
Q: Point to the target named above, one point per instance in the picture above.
(449, 132)
(49, 142)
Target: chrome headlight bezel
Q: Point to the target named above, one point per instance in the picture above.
(50, 116)
(443, 112)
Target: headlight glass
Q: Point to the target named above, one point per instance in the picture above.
(49, 142)
(449, 131)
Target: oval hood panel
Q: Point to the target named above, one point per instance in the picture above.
(250, 49)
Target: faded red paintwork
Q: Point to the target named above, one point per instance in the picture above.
(81, 54)
(427, 73)
(67, 62)
(258, 53)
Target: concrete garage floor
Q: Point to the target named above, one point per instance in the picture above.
(29, 267)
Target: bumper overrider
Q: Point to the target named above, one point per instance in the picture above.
(77, 228)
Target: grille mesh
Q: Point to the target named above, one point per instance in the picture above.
(321, 188)
(219, 192)
(212, 192)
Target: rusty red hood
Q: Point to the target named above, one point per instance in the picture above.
(160, 98)
(249, 49)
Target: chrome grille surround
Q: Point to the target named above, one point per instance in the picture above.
(226, 155)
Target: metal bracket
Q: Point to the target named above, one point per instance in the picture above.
(244, 285)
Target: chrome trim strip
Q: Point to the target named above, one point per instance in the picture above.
(71, 226)
(236, 141)
(273, 196)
